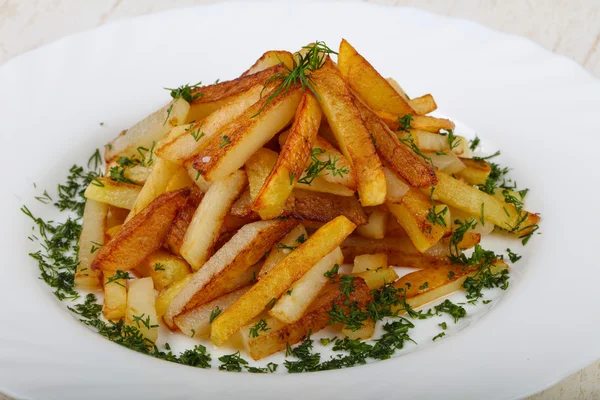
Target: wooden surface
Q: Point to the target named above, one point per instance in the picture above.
(567, 27)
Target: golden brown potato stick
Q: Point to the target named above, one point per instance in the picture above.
(397, 156)
(280, 278)
(115, 296)
(167, 294)
(324, 207)
(281, 250)
(269, 59)
(476, 172)
(378, 277)
(118, 194)
(423, 105)
(352, 136)
(374, 89)
(164, 268)
(142, 235)
(182, 220)
(269, 203)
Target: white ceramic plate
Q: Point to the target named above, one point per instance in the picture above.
(540, 109)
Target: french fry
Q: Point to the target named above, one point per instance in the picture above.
(280, 278)
(281, 250)
(476, 172)
(205, 227)
(231, 147)
(393, 83)
(270, 59)
(423, 105)
(396, 187)
(397, 156)
(316, 318)
(324, 207)
(376, 227)
(352, 136)
(116, 216)
(115, 296)
(319, 184)
(111, 233)
(269, 203)
(291, 306)
(195, 323)
(378, 277)
(118, 194)
(417, 122)
(142, 235)
(374, 89)
(221, 94)
(413, 215)
(432, 142)
(90, 240)
(369, 262)
(149, 130)
(363, 333)
(155, 185)
(460, 217)
(394, 229)
(440, 281)
(179, 180)
(135, 173)
(447, 162)
(168, 293)
(141, 312)
(258, 167)
(164, 268)
(460, 195)
(244, 249)
(182, 221)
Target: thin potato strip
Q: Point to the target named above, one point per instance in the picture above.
(282, 249)
(118, 194)
(476, 172)
(423, 105)
(90, 241)
(270, 59)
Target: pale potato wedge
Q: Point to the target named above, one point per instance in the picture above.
(427, 285)
(220, 94)
(414, 215)
(377, 277)
(374, 89)
(164, 268)
(291, 306)
(90, 241)
(423, 105)
(155, 185)
(137, 174)
(148, 131)
(460, 217)
(316, 318)
(244, 249)
(115, 296)
(118, 194)
(283, 248)
(269, 59)
(351, 134)
(447, 162)
(376, 227)
(179, 180)
(363, 333)
(280, 278)
(231, 147)
(429, 141)
(143, 235)
(205, 226)
(393, 83)
(195, 323)
(182, 221)
(141, 312)
(369, 262)
(168, 293)
(476, 172)
(396, 187)
(397, 156)
(464, 197)
(290, 164)
(258, 167)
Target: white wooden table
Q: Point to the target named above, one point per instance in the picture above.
(567, 27)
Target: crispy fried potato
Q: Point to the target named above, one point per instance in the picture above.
(137, 174)
(111, 233)
(115, 296)
(155, 185)
(205, 227)
(460, 195)
(228, 150)
(376, 278)
(374, 89)
(429, 141)
(164, 268)
(167, 294)
(376, 227)
(281, 249)
(319, 184)
(118, 194)
(363, 333)
(397, 156)
(269, 59)
(142, 235)
(459, 217)
(369, 262)
(271, 199)
(195, 323)
(141, 312)
(244, 249)
(291, 306)
(182, 220)
(148, 131)
(476, 172)
(440, 282)
(116, 216)
(423, 105)
(396, 187)
(316, 318)
(324, 207)
(447, 162)
(352, 136)
(90, 240)
(258, 167)
(418, 122)
(393, 83)
(413, 215)
(280, 278)
(180, 180)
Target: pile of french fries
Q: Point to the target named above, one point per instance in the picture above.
(228, 207)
